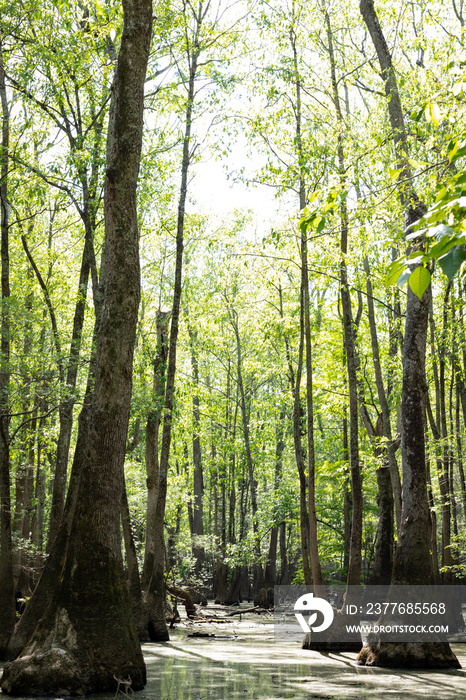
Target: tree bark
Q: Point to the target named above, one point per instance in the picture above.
(7, 592)
(87, 636)
(156, 592)
(258, 573)
(314, 558)
(412, 564)
(382, 396)
(67, 404)
(355, 557)
(152, 443)
(198, 482)
(270, 575)
(134, 581)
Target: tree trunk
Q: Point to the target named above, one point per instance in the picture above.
(134, 582)
(88, 178)
(198, 482)
(258, 573)
(355, 557)
(382, 396)
(444, 463)
(7, 592)
(24, 480)
(313, 548)
(435, 573)
(156, 592)
(152, 443)
(295, 386)
(459, 449)
(67, 404)
(347, 500)
(87, 635)
(43, 591)
(412, 564)
(270, 575)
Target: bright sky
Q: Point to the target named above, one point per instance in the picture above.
(217, 194)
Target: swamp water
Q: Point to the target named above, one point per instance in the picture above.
(244, 661)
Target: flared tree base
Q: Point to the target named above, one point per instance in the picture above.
(53, 673)
(408, 655)
(337, 638)
(158, 631)
(56, 673)
(86, 638)
(60, 665)
(61, 670)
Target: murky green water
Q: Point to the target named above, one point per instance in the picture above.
(253, 665)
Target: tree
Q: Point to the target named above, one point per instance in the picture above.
(86, 637)
(7, 595)
(412, 564)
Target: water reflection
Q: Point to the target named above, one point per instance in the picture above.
(255, 667)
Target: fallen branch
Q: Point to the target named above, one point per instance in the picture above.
(212, 635)
(257, 610)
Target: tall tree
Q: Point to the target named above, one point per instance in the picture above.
(412, 565)
(7, 592)
(81, 644)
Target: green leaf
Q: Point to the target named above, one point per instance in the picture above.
(442, 230)
(416, 258)
(416, 163)
(442, 247)
(452, 148)
(443, 190)
(419, 280)
(306, 222)
(394, 173)
(394, 271)
(433, 113)
(321, 225)
(452, 261)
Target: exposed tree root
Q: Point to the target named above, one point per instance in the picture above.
(407, 655)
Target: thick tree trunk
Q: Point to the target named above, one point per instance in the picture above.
(46, 585)
(87, 635)
(383, 559)
(412, 565)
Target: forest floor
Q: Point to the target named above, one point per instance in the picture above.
(243, 660)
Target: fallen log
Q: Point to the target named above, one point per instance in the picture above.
(212, 635)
